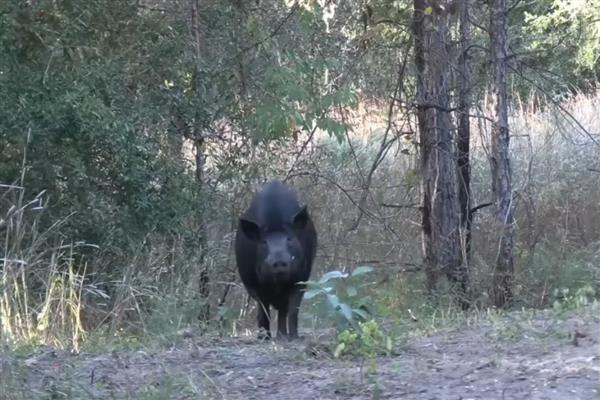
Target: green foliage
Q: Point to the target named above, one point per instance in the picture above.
(557, 271)
(368, 341)
(339, 292)
(78, 100)
(365, 343)
(565, 299)
(559, 43)
(298, 98)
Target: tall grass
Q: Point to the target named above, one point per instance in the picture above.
(41, 286)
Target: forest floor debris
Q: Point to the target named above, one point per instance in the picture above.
(516, 356)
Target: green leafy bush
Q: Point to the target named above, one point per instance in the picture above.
(339, 294)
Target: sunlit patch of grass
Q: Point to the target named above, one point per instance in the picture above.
(42, 286)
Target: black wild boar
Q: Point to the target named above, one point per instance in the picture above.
(275, 247)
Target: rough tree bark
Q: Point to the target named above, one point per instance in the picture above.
(440, 208)
(499, 157)
(200, 160)
(464, 139)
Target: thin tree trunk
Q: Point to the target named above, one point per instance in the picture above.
(424, 150)
(203, 278)
(463, 141)
(499, 158)
(440, 210)
(200, 160)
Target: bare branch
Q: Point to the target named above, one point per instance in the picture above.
(304, 145)
(386, 205)
(479, 207)
(385, 144)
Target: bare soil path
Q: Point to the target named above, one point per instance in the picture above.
(514, 357)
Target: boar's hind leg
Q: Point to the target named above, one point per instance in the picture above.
(294, 307)
(264, 320)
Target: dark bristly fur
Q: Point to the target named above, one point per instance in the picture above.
(275, 247)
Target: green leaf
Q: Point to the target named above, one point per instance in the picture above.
(338, 350)
(345, 97)
(332, 275)
(362, 270)
(297, 93)
(346, 311)
(333, 128)
(361, 313)
(351, 291)
(428, 11)
(298, 117)
(364, 301)
(252, 24)
(309, 294)
(333, 300)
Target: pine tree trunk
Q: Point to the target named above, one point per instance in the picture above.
(499, 159)
(464, 139)
(440, 210)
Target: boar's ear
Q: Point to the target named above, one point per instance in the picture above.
(250, 229)
(301, 218)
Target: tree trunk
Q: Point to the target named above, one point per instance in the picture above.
(203, 278)
(464, 139)
(440, 211)
(200, 158)
(499, 158)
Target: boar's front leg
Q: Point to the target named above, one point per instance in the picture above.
(264, 320)
(282, 321)
(294, 307)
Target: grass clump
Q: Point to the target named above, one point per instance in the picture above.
(42, 284)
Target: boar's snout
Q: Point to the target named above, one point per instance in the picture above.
(280, 261)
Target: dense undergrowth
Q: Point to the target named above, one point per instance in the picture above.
(56, 291)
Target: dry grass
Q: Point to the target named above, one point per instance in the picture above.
(47, 297)
(41, 286)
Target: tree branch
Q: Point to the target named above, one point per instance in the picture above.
(479, 207)
(415, 206)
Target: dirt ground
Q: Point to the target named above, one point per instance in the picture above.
(513, 357)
